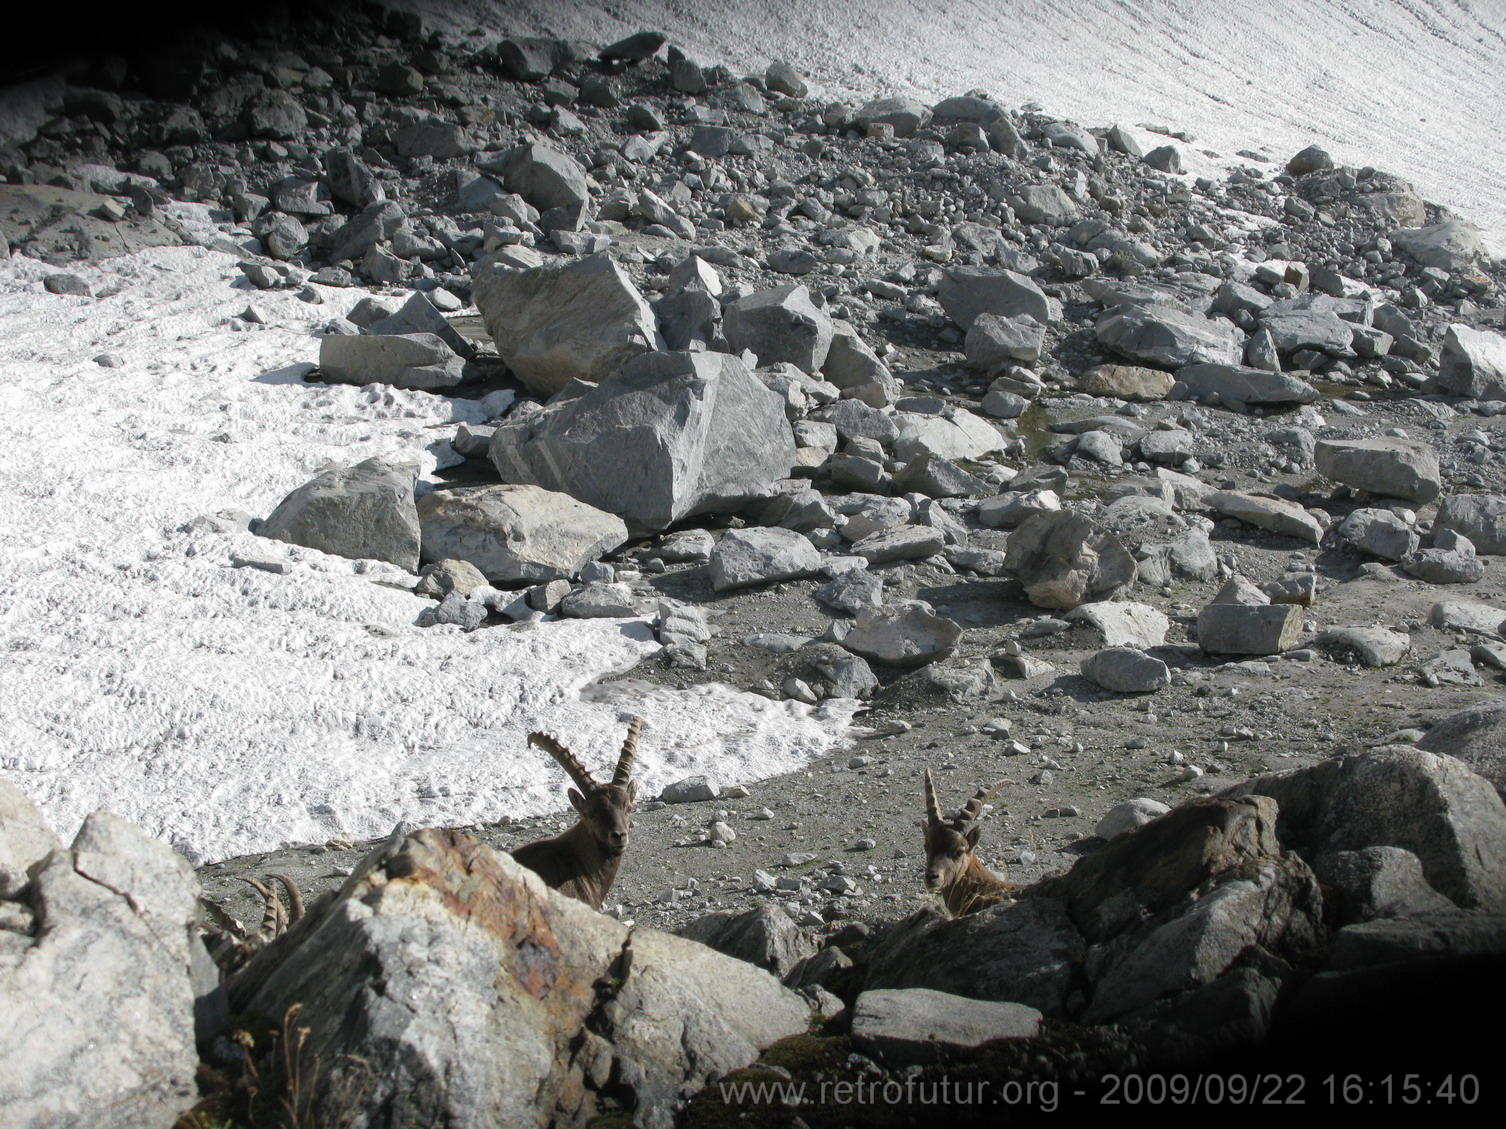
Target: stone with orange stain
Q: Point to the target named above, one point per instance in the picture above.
(452, 986)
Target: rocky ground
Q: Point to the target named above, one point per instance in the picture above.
(1196, 370)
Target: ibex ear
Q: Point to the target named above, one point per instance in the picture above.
(972, 835)
(577, 801)
(632, 790)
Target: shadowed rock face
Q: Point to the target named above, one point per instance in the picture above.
(451, 986)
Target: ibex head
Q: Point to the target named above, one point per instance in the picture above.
(952, 869)
(603, 808)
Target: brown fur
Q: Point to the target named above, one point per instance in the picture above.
(953, 870)
(582, 863)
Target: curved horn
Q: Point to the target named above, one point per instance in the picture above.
(933, 805)
(566, 759)
(971, 809)
(295, 897)
(624, 770)
(274, 917)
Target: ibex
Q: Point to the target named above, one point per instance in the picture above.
(582, 863)
(952, 868)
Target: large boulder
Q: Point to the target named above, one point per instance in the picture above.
(780, 324)
(453, 987)
(1237, 387)
(1167, 337)
(1266, 512)
(904, 115)
(1476, 736)
(1452, 245)
(1248, 629)
(95, 982)
(1479, 517)
(966, 292)
(1393, 468)
(963, 435)
(1064, 559)
(1473, 363)
(404, 360)
(903, 633)
(545, 177)
(576, 320)
(905, 1026)
(365, 512)
(670, 435)
(516, 532)
(761, 555)
(1432, 805)
(765, 936)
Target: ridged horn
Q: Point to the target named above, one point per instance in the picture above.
(566, 759)
(274, 917)
(295, 897)
(933, 805)
(971, 809)
(624, 770)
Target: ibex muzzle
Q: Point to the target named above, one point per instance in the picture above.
(582, 863)
(953, 871)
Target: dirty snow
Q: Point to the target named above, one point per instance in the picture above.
(1414, 87)
(232, 710)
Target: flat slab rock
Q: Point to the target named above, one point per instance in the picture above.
(761, 555)
(906, 1026)
(516, 532)
(904, 633)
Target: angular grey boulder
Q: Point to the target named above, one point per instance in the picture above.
(1064, 559)
(904, 633)
(1434, 806)
(418, 315)
(1248, 629)
(1452, 245)
(98, 999)
(966, 292)
(403, 360)
(912, 1026)
(1265, 512)
(1477, 737)
(1238, 387)
(1373, 646)
(670, 435)
(1380, 533)
(1473, 363)
(995, 343)
(577, 320)
(764, 936)
(905, 115)
(545, 177)
(516, 532)
(1125, 670)
(1394, 468)
(1025, 952)
(374, 224)
(780, 324)
(854, 368)
(364, 512)
(1166, 337)
(1479, 517)
(744, 557)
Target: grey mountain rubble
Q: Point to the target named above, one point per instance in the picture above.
(1051, 455)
